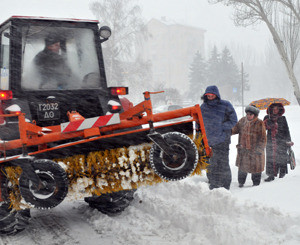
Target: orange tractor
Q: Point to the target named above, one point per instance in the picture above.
(65, 134)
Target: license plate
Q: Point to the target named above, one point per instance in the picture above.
(48, 111)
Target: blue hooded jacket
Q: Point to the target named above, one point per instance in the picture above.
(219, 117)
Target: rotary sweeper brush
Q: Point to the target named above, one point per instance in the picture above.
(64, 133)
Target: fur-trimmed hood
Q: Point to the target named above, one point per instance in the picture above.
(280, 106)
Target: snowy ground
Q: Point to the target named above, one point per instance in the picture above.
(184, 212)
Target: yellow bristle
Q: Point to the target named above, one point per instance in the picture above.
(108, 170)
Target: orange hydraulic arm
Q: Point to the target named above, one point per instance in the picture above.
(140, 114)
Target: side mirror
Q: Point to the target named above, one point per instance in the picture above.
(6, 34)
(105, 33)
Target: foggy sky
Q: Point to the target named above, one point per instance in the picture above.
(215, 19)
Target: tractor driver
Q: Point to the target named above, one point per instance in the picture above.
(51, 65)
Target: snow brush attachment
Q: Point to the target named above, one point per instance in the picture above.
(125, 168)
(109, 171)
(102, 172)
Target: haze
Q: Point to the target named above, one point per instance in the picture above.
(247, 45)
(215, 19)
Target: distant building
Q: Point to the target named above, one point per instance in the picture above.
(171, 49)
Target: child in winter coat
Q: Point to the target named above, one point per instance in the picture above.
(251, 146)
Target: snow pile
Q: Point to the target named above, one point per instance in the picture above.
(187, 212)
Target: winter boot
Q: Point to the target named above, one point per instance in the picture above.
(281, 175)
(283, 171)
(270, 178)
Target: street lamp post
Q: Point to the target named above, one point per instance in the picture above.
(242, 69)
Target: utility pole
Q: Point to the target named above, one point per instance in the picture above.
(242, 69)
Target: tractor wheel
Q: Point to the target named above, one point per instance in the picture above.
(181, 164)
(111, 203)
(54, 189)
(12, 221)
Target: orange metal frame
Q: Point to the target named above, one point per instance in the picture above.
(33, 135)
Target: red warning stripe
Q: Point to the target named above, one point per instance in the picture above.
(73, 126)
(102, 121)
(90, 123)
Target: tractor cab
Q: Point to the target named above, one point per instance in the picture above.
(50, 67)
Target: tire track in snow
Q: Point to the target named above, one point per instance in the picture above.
(45, 227)
(66, 224)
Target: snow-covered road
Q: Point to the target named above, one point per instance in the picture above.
(184, 212)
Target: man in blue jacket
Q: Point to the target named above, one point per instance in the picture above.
(219, 117)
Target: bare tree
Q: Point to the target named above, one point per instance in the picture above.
(125, 20)
(288, 28)
(286, 39)
(293, 5)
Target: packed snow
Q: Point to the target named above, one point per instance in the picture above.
(184, 212)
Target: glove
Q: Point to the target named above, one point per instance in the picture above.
(290, 143)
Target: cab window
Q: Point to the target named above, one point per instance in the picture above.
(4, 60)
(59, 58)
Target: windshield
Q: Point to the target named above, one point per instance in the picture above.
(59, 58)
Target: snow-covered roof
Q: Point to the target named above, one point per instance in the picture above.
(49, 18)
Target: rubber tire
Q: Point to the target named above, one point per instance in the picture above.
(111, 203)
(46, 170)
(12, 221)
(182, 143)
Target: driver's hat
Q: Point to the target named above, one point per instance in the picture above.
(51, 39)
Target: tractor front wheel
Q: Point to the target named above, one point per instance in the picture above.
(181, 163)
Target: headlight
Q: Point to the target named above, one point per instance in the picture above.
(105, 32)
